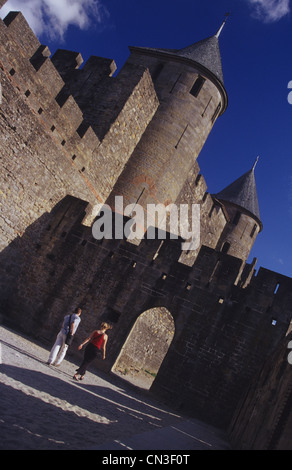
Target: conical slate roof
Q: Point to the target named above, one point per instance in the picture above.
(206, 53)
(242, 193)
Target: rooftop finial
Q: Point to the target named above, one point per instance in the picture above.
(222, 26)
(255, 163)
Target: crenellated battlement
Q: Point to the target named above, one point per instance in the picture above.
(70, 152)
(75, 135)
(219, 325)
(20, 32)
(66, 62)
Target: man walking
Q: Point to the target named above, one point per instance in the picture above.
(70, 325)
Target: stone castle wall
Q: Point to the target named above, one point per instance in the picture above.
(161, 162)
(45, 158)
(68, 136)
(263, 419)
(222, 332)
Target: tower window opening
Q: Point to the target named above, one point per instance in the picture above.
(197, 86)
(276, 288)
(198, 179)
(253, 231)
(179, 140)
(177, 80)
(140, 195)
(217, 110)
(204, 112)
(214, 271)
(205, 196)
(225, 247)
(157, 252)
(236, 218)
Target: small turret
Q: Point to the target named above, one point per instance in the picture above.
(241, 205)
(204, 55)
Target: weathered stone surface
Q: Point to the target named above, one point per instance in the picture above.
(72, 138)
(263, 419)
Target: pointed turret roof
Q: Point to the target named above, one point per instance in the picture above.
(243, 193)
(204, 54)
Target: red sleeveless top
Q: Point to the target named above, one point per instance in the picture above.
(97, 339)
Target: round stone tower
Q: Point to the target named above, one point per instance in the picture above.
(240, 202)
(190, 89)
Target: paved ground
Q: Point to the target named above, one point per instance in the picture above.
(41, 407)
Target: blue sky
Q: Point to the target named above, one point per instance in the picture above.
(256, 46)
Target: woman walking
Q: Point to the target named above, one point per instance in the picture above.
(97, 343)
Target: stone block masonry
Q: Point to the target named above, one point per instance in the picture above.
(163, 158)
(263, 417)
(46, 157)
(222, 332)
(73, 137)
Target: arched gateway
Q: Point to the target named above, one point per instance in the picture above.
(145, 347)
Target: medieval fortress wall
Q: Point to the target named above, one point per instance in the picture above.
(74, 136)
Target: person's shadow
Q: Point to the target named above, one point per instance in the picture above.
(41, 411)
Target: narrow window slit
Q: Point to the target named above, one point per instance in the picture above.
(173, 87)
(205, 110)
(217, 110)
(179, 140)
(198, 85)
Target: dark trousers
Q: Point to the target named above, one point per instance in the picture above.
(91, 352)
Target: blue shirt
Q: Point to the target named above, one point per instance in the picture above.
(74, 318)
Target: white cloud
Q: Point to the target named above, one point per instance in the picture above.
(53, 17)
(270, 11)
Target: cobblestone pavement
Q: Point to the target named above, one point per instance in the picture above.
(41, 407)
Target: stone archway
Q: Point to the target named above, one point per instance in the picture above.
(146, 346)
